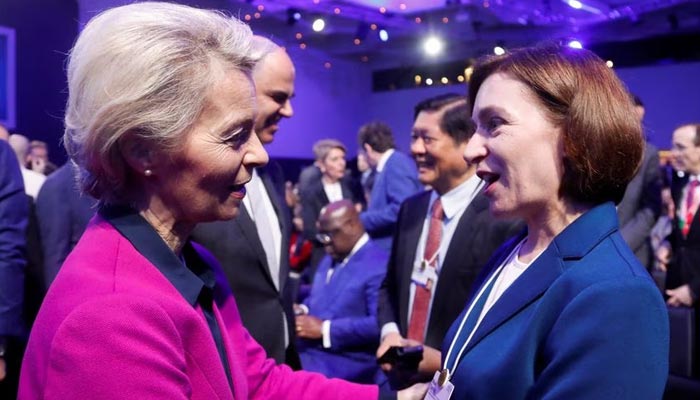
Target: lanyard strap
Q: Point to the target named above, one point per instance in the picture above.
(473, 313)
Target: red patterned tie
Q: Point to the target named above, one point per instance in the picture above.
(689, 211)
(421, 299)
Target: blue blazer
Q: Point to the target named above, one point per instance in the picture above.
(584, 321)
(349, 301)
(397, 181)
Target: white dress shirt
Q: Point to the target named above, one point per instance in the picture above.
(454, 203)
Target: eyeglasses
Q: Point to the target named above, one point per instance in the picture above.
(324, 238)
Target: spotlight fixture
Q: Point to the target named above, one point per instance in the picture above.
(433, 46)
(575, 44)
(318, 25)
(293, 15)
(383, 35)
(499, 51)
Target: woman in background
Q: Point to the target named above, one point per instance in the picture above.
(334, 185)
(160, 124)
(565, 310)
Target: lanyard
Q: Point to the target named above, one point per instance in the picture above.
(485, 291)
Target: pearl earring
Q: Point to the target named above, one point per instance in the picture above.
(148, 172)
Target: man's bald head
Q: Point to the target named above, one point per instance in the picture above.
(339, 224)
(274, 76)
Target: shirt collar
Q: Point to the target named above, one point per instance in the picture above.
(459, 197)
(383, 159)
(190, 280)
(358, 245)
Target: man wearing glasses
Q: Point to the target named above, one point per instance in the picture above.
(337, 324)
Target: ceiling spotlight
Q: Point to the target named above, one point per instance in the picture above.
(383, 35)
(592, 6)
(575, 44)
(293, 15)
(575, 4)
(609, 63)
(318, 25)
(444, 80)
(433, 45)
(428, 81)
(499, 51)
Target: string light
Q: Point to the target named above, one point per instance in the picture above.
(298, 36)
(261, 7)
(402, 6)
(336, 10)
(257, 15)
(445, 20)
(373, 27)
(357, 41)
(247, 17)
(382, 10)
(327, 65)
(418, 20)
(302, 46)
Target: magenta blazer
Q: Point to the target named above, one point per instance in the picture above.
(113, 327)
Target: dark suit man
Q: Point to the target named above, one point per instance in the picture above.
(395, 181)
(337, 327)
(681, 252)
(641, 205)
(422, 272)
(14, 214)
(62, 213)
(252, 248)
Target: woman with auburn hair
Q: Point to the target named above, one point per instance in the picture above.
(564, 310)
(160, 125)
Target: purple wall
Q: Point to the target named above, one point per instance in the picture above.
(671, 96)
(329, 103)
(45, 31)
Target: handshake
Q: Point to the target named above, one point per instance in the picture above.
(407, 361)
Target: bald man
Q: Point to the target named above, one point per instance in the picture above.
(338, 326)
(32, 180)
(252, 248)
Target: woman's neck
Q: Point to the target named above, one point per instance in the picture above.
(542, 229)
(174, 233)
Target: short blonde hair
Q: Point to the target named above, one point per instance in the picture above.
(324, 146)
(142, 71)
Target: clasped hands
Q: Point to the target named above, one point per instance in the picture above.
(307, 326)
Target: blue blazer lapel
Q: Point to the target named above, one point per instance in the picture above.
(528, 287)
(574, 242)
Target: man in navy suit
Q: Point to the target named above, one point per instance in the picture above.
(423, 293)
(337, 325)
(14, 215)
(63, 214)
(396, 180)
(252, 248)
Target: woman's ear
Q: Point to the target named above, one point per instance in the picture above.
(138, 154)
